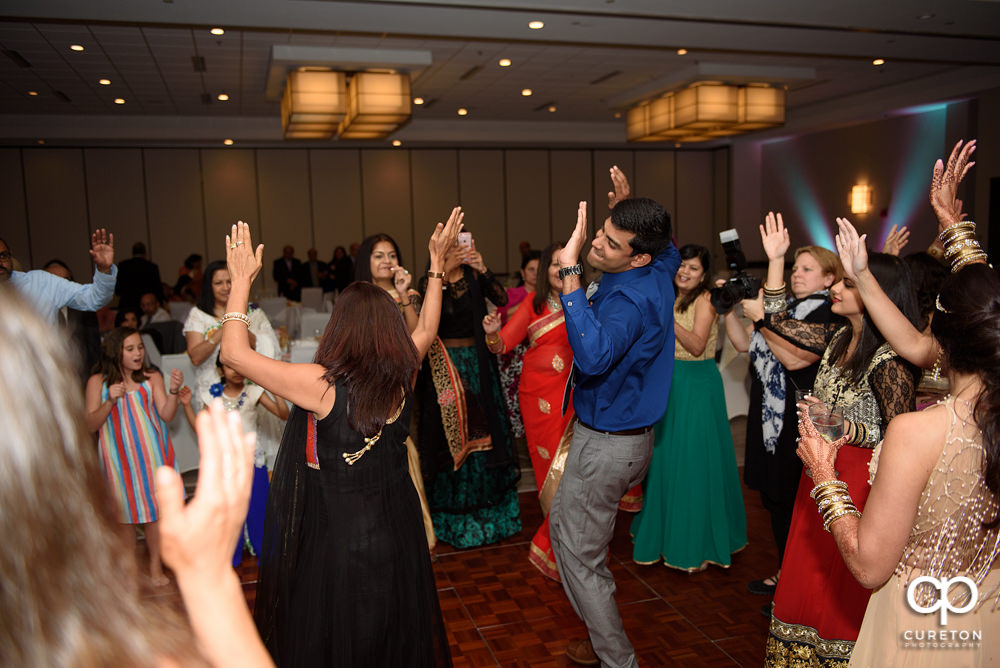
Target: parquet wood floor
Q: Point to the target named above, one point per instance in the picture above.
(500, 611)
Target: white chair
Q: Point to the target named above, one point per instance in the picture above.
(152, 353)
(179, 310)
(181, 435)
(313, 323)
(312, 298)
(273, 306)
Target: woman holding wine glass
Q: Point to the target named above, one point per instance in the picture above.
(818, 605)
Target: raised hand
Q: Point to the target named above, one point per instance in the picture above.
(444, 236)
(401, 279)
(176, 380)
(944, 184)
(184, 395)
(199, 538)
(568, 255)
(852, 250)
(102, 250)
(621, 188)
(243, 261)
(491, 323)
(116, 391)
(774, 236)
(897, 239)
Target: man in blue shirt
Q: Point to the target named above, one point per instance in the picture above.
(48, 293)
(623, 350)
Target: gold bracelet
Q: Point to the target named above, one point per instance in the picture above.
(435, 274)
(234, 315)
(775, 292)
(493, 342)
(823, 485)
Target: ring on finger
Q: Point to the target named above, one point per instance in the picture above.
(231, 246)
(239, 243)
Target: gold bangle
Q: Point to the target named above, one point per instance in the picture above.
(234, 315)
(435, 274)
(493, 342)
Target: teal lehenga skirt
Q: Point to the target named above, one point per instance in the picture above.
(692, 513)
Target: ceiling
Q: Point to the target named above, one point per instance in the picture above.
(590, 60)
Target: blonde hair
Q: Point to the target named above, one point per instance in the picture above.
(828, 261)
(71, 594)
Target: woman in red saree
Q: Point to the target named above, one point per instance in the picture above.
(547, 365)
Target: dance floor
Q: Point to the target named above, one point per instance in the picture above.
(501, 611)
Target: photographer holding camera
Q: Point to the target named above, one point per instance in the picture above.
(778, 369)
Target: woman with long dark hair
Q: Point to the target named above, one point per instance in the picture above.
(345, 574)
(692, 513)
(203, 333)
(464, 439)
(818, 605)
(548, 361)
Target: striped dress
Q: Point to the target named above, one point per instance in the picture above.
(133, 443)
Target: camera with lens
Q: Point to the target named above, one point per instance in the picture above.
(741, 285)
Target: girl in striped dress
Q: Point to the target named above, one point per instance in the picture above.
(127, 405)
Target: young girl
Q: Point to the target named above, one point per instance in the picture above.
(240, 395)
(127, 406)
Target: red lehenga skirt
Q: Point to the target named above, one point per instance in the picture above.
(819, 605)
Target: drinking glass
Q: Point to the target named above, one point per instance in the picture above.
(829, 421)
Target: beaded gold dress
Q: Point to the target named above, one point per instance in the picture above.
(948, 540)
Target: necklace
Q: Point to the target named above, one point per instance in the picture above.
(351, 457)
(554, 304)
(232, 404)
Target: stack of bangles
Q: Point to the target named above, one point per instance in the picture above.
(492, 343)
(834, 502)
(960, 245)
(774, 299)
(234, 315)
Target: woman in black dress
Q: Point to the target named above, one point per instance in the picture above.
(345, 574)
(778, 368)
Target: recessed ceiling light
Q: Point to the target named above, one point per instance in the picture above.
(878, 61)
(223, 97)
(504, 62)
(119, 100)
(104, 82)
(536, 25)
(463, 112)
(217, 31)
(75, 47)
(227, 142)
(552, 109)
(925, 17)
(618, 114)
(418, 100)
(682, 52)
(396, 142)
(526, 92)
(41, 141)
(33, 93)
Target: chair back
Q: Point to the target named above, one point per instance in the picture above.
(313, 323)
(179, 310)
(184, 440)
(312, 298)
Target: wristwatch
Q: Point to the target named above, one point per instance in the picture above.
(572, 270)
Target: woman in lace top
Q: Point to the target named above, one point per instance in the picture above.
(818, 605)
(932, 510)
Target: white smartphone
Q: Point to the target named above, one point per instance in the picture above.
(465, 239)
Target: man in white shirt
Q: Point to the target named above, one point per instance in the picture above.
(48, 293)
(152, 311)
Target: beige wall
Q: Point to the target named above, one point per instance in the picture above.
(182, 201)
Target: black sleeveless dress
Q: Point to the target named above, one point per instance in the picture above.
(345, 574)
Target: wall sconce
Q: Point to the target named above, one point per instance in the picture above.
(860, 198)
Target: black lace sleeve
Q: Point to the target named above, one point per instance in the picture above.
(894, 387)
(492, 289)
(811, 336)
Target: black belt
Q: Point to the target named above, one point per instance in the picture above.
(624, 432)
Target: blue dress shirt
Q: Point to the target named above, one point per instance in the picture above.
(623, 345)
(48, 293)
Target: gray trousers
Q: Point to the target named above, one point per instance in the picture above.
(600, 468)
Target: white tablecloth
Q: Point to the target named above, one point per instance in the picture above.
(303, 350)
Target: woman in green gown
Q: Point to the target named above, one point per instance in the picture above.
(693, 513)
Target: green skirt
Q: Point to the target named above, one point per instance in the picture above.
(692, 513)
